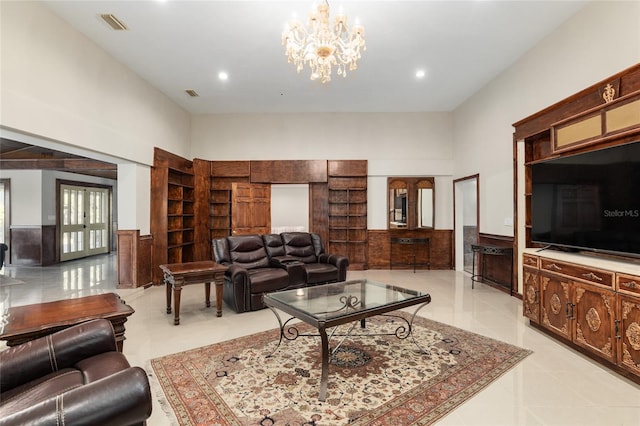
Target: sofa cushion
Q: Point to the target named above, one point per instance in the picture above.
(320, 272)
(300, 245)
(221, 251)
(317, 244)
(269, 279)
(248, 251)
(273, 245)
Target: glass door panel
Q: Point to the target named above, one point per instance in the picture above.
(84, 221)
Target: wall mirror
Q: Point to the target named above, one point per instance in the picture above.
(411, 202)
(398, 203)
(425, 202)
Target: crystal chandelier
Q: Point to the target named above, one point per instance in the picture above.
(321, 47)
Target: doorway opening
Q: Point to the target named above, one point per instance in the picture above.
(289, 208)
(466, 220)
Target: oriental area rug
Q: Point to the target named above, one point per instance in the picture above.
(373, 380)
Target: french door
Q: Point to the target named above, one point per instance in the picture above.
(84, 213)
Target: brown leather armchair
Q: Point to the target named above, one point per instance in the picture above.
(72, 377)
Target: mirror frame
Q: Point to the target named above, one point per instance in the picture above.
(395, 187)
(412, 186)
(425, 184)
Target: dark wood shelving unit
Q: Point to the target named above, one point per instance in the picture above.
(347, 184)
(222, 175)
(172, 211)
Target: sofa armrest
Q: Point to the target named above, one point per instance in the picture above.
(334, 259)
(340, 262)
(123, 398)
(237, 274)
(30, 360)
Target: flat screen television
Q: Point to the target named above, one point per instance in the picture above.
(588, 201)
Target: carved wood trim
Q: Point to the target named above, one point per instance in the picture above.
(627, 81)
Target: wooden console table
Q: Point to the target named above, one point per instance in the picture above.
(178, 275)
(29, 322)
(414, 242)
(485, 250)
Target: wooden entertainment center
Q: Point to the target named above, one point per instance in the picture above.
(587, 300)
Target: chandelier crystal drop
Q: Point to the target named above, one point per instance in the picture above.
(321, 47)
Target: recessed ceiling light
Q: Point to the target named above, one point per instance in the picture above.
(223, 76)
(420, 74)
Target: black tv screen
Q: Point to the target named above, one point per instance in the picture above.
(588, 201)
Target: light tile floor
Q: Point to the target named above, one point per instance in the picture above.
(553, 386)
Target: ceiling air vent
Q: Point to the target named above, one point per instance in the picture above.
(192, 93)
(113, 22)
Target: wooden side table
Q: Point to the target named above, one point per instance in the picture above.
(29, 322)
(178, 275)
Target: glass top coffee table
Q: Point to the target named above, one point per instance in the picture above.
(330, 305)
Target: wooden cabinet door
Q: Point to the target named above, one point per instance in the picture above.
(555, 301)
(531, 294)
(250, 208)
(628, 329)
(593, 311)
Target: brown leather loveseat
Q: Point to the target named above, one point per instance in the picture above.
(261, 264)
(72, 377)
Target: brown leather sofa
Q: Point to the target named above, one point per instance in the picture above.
(260, 264)
(72, 377)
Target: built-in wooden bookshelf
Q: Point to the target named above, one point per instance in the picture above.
(172, 219)
(347, 183)
(222, 175)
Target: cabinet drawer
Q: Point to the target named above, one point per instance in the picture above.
(628, 284)
(529, 260)
(592, 275)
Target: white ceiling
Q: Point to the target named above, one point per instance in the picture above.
(177, 45)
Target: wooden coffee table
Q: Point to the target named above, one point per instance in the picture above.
(29, 322)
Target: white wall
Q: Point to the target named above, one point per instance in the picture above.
(26, 196)
(58, 85)
(134, 181)
(599, 41)
(395, 144)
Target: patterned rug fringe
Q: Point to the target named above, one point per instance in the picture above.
(160, 397)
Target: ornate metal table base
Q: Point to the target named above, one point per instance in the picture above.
(292, 332)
